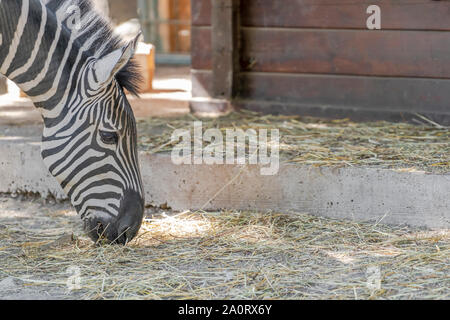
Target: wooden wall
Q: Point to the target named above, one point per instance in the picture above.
(317, 57)
(175, 38)
(181, 39)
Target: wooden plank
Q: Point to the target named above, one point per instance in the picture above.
(395, 14)
(201, 83)
(178, 34)
(145, 57)
(356, 52)
(389, 53)
(203, 102)
(164, 30)
(183, 12)
(383, 94)
(201, 12)
(209, 107)
(201, 48)
(409, 15)
(225, 47)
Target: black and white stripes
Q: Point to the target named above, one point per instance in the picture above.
(64, 56)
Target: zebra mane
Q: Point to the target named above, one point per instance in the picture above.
(91, 22)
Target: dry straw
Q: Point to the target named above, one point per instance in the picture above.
(230, 255)
(319, 142)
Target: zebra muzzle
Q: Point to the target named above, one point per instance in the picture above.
(121, 229)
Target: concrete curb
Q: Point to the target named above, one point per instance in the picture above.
(360, 194)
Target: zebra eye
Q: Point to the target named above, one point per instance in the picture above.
(109, 137)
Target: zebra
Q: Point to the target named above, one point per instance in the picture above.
(65, 57)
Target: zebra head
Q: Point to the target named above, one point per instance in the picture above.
(91, 147)
(65, 57)
(92, 150)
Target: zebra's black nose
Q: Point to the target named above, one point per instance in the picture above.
(130, 218)
(120, 229)
(114, 231)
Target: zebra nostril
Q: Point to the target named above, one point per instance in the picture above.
(97, 228)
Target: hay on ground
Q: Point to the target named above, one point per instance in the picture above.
(229, 255)
(320, 142)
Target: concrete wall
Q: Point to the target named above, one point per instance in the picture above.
(359, 194)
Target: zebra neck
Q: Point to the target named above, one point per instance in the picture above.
(39, 53)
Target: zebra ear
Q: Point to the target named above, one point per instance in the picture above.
(107, 67)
